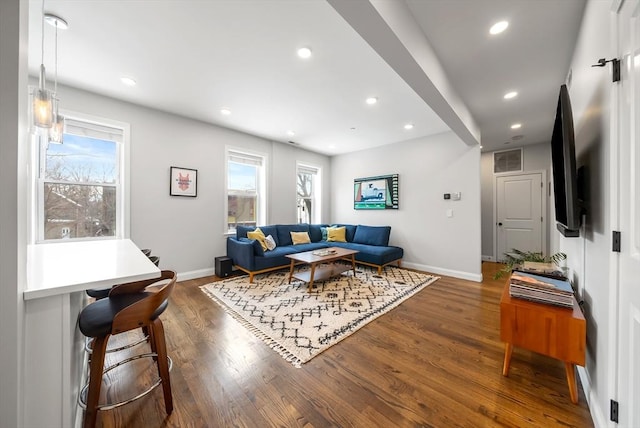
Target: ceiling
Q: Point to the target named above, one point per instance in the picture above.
(195, 57)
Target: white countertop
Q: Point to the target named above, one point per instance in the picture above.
(66, 267)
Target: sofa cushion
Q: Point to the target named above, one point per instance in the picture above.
(284, 232)
(336, 234)
(315, 232)
(350, 230)
(258, 235)
(374, 254)
(324, 233)
(300, 238)
(257, 247)
(241, 232)
(372, 235)
(271, 243)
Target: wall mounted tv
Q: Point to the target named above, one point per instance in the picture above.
(563, 161)
(376, 193)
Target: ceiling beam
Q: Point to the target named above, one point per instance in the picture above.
(390, 29)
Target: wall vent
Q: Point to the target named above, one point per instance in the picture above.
(507, 161)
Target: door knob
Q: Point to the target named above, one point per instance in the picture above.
(500, 224)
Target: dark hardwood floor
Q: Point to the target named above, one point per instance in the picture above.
(434, 361)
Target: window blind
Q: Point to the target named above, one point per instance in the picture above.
(304, 169)
(93, 130)
(245, 158)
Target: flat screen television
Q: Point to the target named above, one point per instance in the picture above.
(376, 193)
(563, 162)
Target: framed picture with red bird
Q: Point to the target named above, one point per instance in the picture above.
(183, 182)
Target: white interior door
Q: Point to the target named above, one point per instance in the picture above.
(519, 213)
(628, 28)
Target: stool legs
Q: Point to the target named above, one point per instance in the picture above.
(159, 346)
(95, 380)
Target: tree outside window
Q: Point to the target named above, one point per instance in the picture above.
(306, 188)
(79, 188)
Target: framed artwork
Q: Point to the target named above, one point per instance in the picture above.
(183, 182)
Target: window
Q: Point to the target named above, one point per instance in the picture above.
(308, 194)
(80, 183)
(245, 190)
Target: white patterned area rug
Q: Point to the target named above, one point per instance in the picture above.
(300, 324)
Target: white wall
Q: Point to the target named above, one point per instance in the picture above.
(588, 256)
(427, 168)
(536, 157)
(188, 233)
(13, 185)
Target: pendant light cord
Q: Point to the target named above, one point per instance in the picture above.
(42, 36)
(55, 86)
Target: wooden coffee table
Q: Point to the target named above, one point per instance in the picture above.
(328, 270)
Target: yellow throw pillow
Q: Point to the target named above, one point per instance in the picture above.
(300, 238)
(258, 235)
(336, 234)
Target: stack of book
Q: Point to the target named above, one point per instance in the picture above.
(542, 289)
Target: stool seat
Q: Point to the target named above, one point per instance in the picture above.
(96, 320)
(98, 293)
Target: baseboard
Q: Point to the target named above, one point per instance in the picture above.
(184, 276)
(488, 259)
(597, 415)
(477, 277)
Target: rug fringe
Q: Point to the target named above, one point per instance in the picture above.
(284, 353)
(330, 338)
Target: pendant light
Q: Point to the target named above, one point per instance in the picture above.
(57, 129)
(42, 102)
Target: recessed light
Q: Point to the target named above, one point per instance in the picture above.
(291, 133)
(372, 100)
(304, 53)
(353, 128)
(128, 81)
(332, 146)
(408, 126)
(517, 137)
(510, 95)
(516, 126)
(225, 111)
(498, 27)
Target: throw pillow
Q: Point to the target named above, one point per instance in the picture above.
(300, 238)
(324, 233)
(258, 236)
(336, 234)
(271, 243)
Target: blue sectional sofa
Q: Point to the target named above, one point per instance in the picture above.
(248, 255)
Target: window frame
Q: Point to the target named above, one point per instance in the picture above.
(122, 185)
(316, 191)
(261, 187)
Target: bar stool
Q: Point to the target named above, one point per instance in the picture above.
(128, 307)
(101, 293)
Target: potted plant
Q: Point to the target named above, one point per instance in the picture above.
(517, 257)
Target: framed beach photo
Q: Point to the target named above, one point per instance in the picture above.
(183, 182)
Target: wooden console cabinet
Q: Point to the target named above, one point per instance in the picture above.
(550, 330)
